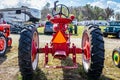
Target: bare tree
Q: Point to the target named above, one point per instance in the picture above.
(108, 13)
(45, 11)
(117, 16)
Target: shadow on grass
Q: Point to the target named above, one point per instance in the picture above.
(105, 78)
(39, 75)
(76, 74)
(8, 49)
(112, 37)
(15, 33)
(49, 33)
(4, 57)
(75, 34)
(72, 74)
(41, 33)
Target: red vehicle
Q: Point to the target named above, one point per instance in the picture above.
(116, 57)
(92, 46)
(5, 40)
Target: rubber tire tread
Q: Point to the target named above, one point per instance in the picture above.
(97, 52)
(24, 53)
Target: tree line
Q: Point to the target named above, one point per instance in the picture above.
(86, 12)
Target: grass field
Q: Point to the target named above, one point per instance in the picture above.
(79, 34)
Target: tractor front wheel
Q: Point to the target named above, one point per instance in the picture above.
(27, 52)
(3, 44)
(116, 57)
(93, 55)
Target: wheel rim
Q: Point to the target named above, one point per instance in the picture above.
(86, 57)
(116, 58)
(34, 55)
(2, 45)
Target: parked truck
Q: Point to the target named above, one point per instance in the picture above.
(112, 29)
(18, 17)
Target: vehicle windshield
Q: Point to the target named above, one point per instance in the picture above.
(114, 23)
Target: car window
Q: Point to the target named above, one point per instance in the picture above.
(114, 23)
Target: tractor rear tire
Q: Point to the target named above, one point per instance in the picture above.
(27, 63)
(116, 57)
(3, 44)
(93, 39)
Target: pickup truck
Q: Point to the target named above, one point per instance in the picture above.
(112, 29)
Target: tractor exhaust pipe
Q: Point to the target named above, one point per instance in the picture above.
(60, 54)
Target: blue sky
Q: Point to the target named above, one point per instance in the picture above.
(114, 4)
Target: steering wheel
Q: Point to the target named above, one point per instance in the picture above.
(61, 10)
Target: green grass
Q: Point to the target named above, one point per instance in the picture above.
(102, 28)
(40, 30)
(80, 31)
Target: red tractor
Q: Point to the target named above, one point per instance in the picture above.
(116, 57)
(5, 40)
(92, 46)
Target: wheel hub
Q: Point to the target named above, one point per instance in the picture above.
(116, 58)
(86, 46)
(34, 50)
(87, 50)
(34, 54)
(2, 42)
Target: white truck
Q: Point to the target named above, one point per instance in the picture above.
(17, 17)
